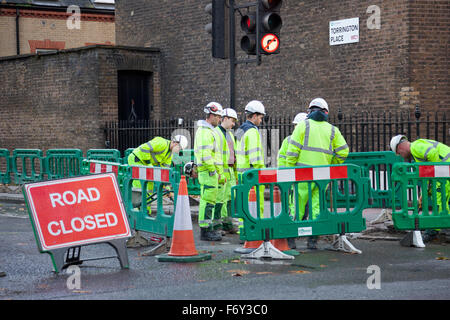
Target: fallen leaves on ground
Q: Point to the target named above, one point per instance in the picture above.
(299, 271)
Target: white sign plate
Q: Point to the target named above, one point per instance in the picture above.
(344, 31)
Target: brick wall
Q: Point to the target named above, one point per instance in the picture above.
(430, 53)
(42, 25)
(63, 100)
(381, 72)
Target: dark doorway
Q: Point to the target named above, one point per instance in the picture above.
(134, 95)
(135, 106)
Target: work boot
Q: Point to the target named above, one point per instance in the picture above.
(209, 235)
(312, 243)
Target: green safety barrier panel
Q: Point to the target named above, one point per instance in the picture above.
(335, 217)
(429, 180)
(110, 155)
(377, 166)
(179, 160)
(27, 165)
(126, 154)
(165, 181)
(63, 163)
(5, 166)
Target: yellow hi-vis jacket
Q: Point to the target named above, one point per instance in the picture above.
(249, 151)
(227, 144)
(156, 153)
(281, 158)
(316, 143)
(430, 151)
(207, 155)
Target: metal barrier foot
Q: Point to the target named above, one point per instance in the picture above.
(384, 216)
(137, 241)
(267, 251)
(342, 244)
(413, 239)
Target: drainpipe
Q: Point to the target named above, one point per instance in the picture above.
(17, 31)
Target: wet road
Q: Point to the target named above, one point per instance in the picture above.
(405, 273)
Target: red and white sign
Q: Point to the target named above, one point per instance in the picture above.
(302, 174)
(77, 211)
(270, 43)
(98, 167)
(152, 174)
(434, 171)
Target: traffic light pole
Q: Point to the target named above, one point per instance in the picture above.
(233, 61)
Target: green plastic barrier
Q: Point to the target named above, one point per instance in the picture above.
(179, 160)
(276, 223)
(426, 180)
(27, 165)
(126, 154)
(110, 155)
(160, 222)
(5, 166)
(377, 166)
(63, 163)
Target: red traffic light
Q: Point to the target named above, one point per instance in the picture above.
(272, 4)
(248, 22)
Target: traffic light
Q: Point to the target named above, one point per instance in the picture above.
(262, 28)
(219, 28)
(270, 25)
(248, 25)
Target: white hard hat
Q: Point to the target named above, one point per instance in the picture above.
(395, 141)
(214, 108)
(255, 106)
(182, 140)
(300, 117)
(230, 113)
(319, 102)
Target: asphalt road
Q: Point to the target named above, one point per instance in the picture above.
(404, 273)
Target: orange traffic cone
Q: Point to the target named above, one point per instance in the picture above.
(183, 246)
(280, 244)
(249, 246)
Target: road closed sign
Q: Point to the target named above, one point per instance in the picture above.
(77, 211)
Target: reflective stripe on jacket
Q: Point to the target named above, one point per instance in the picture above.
(249, 151)
(316, 143)
(429, 150)
(206, 152)
(155, 152)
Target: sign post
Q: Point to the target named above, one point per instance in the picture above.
(67, 214)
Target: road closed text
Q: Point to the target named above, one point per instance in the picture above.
(77, 224)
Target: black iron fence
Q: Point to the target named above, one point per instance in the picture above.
(363, 131)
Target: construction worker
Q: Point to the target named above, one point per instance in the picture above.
(424, 150)
(227, 145)
(315, 142)
(281, 158)
(210, 171)
(157, 152)
(249, 150)
(281, 162)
